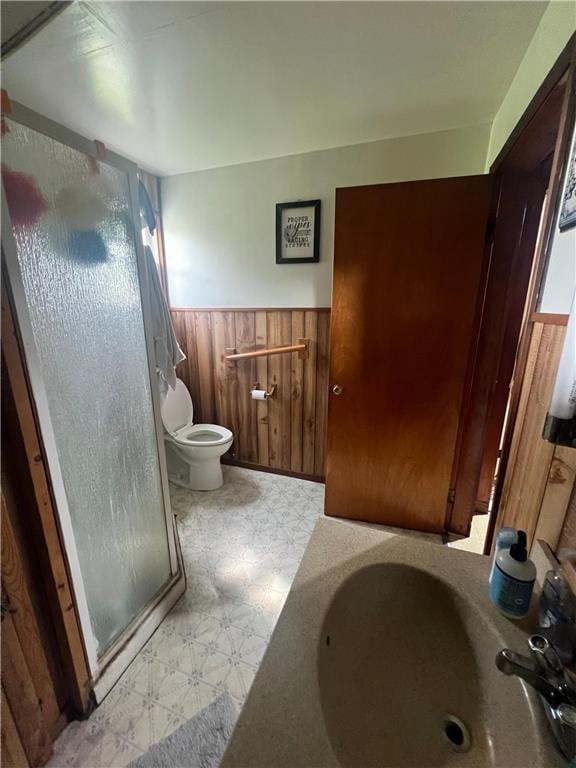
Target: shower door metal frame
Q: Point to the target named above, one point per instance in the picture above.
(106, 668)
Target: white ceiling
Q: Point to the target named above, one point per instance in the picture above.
(182, 86)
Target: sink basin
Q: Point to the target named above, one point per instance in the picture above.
(384, 655)
(400, 675)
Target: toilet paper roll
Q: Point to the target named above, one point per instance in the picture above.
(259, 394)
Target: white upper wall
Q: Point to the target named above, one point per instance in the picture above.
(560, 278)
(560, 281)
(220, 224)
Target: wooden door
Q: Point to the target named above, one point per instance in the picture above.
(408, 268)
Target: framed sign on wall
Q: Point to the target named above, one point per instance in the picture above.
(568, 210)
(298, 232)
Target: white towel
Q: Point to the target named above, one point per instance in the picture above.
(166, 348)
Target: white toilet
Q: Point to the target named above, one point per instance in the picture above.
(192, 450)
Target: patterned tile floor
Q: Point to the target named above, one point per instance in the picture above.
(241, 545)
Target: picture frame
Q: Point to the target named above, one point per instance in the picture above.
(567, 218)
(298, 232)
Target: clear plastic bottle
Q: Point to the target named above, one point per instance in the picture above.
(557, 615)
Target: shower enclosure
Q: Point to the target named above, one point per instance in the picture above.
(74, 262)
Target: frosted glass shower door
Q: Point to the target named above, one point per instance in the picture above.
(74, 273)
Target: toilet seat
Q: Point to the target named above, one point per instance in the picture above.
(177, 409)
(202, 435)
(178, 418)
(193, 451)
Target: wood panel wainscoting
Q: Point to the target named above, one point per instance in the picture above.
(538, 492)
(285, 433)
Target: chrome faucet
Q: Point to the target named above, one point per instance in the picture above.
(545, 672)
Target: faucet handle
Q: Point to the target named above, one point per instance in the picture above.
(511, 663)
(545, 654)
(563, 722)
(544, 671)
(550, 663)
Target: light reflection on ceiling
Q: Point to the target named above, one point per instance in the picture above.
(181, 86)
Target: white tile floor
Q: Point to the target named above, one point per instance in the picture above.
(241, 545)
(478, 531)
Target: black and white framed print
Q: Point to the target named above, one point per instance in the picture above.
(568, 210)
(298, 232)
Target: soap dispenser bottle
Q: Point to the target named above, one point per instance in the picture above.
(504, 540)
(513, 580)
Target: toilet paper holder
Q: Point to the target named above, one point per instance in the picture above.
(269, 392)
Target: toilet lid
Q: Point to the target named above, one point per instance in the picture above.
(177, 410)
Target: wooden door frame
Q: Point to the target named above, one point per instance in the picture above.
(511, 236)
(527, 124)
(63, 605)
(530, 137)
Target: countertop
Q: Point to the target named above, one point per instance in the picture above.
(282, 721)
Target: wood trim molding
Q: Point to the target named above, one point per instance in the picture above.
(272, 470)
(77, 673)
(551, 80)
(250, 309)
(518, 201)
(549, 318)
(541, 256)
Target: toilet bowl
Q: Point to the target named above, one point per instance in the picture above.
(192, 450)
